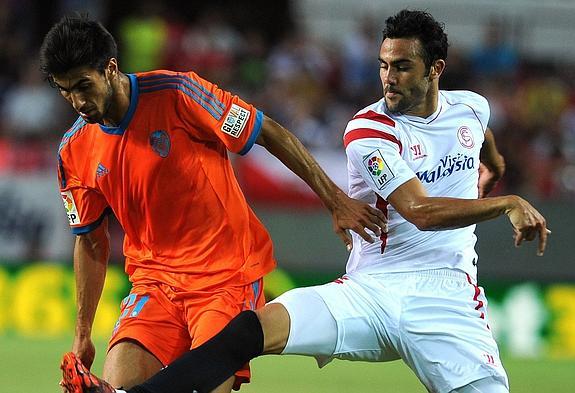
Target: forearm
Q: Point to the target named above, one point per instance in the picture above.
(432, 213)
(90, 263)
(290, 151)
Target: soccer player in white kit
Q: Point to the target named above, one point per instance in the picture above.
(412, 294)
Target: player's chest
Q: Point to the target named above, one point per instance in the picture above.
(443, 150)
(138, 158)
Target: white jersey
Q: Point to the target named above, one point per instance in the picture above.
(385, 150)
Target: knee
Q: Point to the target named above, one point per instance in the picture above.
(275, 321)
(128, 364)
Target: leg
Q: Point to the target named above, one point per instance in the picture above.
(225, 387)
(445, 337)
(299, 322)
(484, 385)
(275, 322)
(128, 364)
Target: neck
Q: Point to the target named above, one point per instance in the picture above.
(119, 101)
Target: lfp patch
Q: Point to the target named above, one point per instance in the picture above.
(70, 206)
(236, 121)
(378, 169)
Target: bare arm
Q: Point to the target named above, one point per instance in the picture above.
(91, 253)
(435, 213)
(347, 212)
(492, 165)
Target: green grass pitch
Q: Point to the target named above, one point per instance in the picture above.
(28, 366)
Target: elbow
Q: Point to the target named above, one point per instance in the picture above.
(424, 224)
(500, 169)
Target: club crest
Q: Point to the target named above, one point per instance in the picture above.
(160, 142)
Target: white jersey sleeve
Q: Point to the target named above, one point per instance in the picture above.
(375, 153)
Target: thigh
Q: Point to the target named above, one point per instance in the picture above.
(445, 337)
(150, 320)
(128, 364)
(207, 315)
(342, 319)
(312, 328)
(484, 385)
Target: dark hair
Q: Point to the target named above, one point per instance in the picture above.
(76, 41)
(420, 25)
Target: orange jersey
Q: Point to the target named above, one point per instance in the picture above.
(166, 176)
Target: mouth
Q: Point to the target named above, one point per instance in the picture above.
(87, 114)
(392, 93)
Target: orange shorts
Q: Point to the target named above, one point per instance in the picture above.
(168, 321)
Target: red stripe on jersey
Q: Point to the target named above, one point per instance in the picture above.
(381, 204)
(362, 133)
(380, 117)
(475, 298)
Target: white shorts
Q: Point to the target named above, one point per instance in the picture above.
(434, 320)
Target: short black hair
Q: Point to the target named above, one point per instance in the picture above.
(420, 25)
(76, 41)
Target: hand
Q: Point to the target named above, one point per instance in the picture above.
(487, 180)
(84, 348)
(527, 224)
(351, 214)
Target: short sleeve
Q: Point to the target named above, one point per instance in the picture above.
(85, 207)
(480, 107)
(214, 113)
(379, 162)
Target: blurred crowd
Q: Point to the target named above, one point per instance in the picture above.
(311, 87)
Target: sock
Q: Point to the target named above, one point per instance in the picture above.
(206, 367)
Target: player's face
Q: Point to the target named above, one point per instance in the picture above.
(405, 78)
(88, 90)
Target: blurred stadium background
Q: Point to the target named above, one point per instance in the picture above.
(310, 64)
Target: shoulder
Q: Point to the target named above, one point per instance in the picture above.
(74, 134)
(465, 97)
(476, 103)
(372, 122)
(185, 86)
(188, 83)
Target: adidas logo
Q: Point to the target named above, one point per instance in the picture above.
(101, 171)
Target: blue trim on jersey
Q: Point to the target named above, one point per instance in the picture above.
(92, 226)
(177, 81)
(129, 114)
(78, 124)
(255, 133)
(193, 95)
(215, 99)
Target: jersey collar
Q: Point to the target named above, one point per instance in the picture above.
(129, 114)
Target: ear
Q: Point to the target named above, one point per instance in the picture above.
(112, 68)
(436, 69)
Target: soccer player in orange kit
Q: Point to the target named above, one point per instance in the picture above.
(152, 149)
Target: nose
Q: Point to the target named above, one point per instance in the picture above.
(78, 101)
(388, 76)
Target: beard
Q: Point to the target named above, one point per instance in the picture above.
(107, 101)
(397, 106)
(106, 105)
